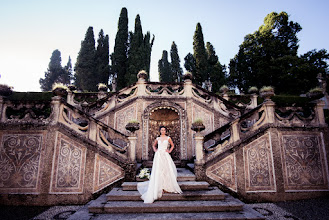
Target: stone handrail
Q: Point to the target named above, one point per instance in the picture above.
(103, 135)
(263, 116)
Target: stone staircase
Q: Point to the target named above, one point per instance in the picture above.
(198, 201)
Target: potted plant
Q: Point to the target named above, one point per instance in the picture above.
(266, 92)
(252, 90)
(223, 89)
(198, 125)
(132, 126)
(188, 76)
(102, 87)
(59, 89)
(5, 90)
(142, 75)
(315, 93)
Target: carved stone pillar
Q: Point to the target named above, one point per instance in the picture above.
(269, 108)
(235, 131)
(319, 112)
(132, 148)
(55, 106)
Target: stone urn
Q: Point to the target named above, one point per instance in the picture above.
(188, 76)
(61, 92)
(198, 126)
(142, 75)
(132, 126)
(266, 93)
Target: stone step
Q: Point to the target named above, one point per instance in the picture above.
(183, 174)
(226, 205)
(245, 214)
(117, 194)
(184, 185)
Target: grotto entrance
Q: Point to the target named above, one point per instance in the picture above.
(169, 118)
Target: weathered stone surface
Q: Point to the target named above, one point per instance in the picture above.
(185, 185)
(117, 194)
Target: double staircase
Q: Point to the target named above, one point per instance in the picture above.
(198, 201)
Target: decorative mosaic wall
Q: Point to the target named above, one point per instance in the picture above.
(224, 172)
(258, 165)
(68, 166)
(205, 115)
(105, 173)
(20, 162)
(303, 162)
(123, 116)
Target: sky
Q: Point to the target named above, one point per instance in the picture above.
(32, 30)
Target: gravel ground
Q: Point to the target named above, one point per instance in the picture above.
(314, 209)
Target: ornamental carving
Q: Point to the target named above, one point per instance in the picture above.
(303, 162)
(224, 172)
(106, 173)
(123, 116)
(206, 116)
(69, 165)
(20, 159)
(258, 165)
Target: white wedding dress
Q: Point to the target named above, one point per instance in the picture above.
(163, 175)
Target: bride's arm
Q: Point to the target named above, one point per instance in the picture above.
(155, 144)
(171, 144)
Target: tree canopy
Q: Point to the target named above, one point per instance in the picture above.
(269, 57)
(200, 56)
(55, 72)
(164, 68)
(177, 71)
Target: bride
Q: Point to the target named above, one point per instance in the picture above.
(164, 174)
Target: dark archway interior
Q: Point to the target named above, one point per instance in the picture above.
(168, 117)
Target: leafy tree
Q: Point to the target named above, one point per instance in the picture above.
(215, 69)
(268, 56)
(177, 71)
(189, 63)
(164, 67)
(85, 78)
(102, 59)
(139, 54)
(55, 72)
(200, 56)
(120, 55)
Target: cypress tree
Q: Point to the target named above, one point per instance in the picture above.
(85, 65)
(200, 56)
(139, 54)
(164, 67)
(119, 56)
(189, 63)
(215, 69)
(177, 71)
(55, 72)
(102, 58)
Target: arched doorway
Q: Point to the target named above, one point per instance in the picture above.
(171, 115)
(168, 117)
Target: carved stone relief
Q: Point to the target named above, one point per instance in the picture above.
(224, 172)
(122, 117)
(106, 172)
(258, 165)
(303, 162)
(68, 166)
(205, 115)
(20, 162)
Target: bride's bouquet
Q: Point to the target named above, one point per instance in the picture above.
(144, 173)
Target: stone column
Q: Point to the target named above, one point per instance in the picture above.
(92, 130)
(55, 107)
(319, 112)
(253, 100)
(69, 98)
(188, 88)
(235, 130)
(269, 108)
(199, 169)
(132, 148)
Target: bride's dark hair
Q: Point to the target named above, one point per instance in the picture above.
(163, 127)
